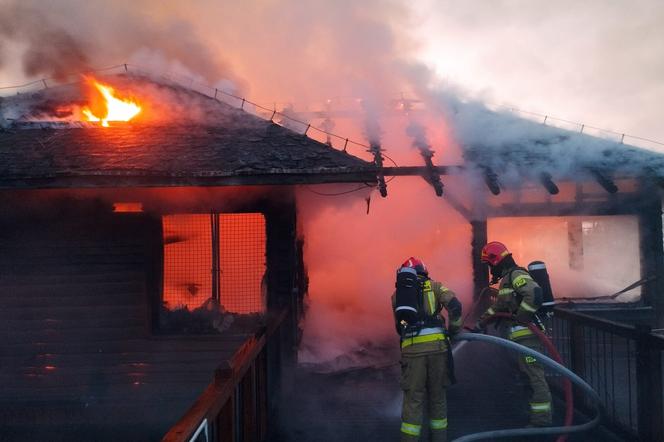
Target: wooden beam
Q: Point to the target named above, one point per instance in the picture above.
(575, 243)
(491, 180)
(604, 181)
(432, 177)
(119, 181)
(626, 205)
(422, 170)
(652, 256)
(480, 270)
(547, 181)
(376, 150)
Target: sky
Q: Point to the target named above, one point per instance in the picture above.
(599, 62)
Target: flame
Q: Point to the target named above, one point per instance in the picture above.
(110, 108)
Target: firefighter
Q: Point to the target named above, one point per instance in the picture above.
(426, 366)
(519, 295)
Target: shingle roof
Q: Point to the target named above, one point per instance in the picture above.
(256, 153)
(516, 148)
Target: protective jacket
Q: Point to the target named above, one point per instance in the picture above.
(424, 363)
(432, 337)
(520, 295)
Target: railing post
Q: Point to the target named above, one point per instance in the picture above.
(649, 387)
(577, 357)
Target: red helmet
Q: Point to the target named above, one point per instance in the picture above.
(494, 252)
(416, 264)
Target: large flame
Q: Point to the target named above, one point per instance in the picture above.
(110, 107)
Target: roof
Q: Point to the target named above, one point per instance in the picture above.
(226, 146)
(213, 143)
(135, 155)
(516, 148)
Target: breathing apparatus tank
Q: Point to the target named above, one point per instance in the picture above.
(407, 308)
(537, 270)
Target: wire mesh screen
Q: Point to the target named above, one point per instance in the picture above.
(242, 262)
(187, 260)
(209, 257)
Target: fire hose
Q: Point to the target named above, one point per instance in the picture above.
(554, 365)
(553, 352)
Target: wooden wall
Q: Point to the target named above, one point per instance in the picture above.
(78, 359)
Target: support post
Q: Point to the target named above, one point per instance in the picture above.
(281, 255)
(216, 274)
(649, 387)
(376, 150)
(652, 256)
(577, 355)
(480, 271)
(575, 243)
(432, 177)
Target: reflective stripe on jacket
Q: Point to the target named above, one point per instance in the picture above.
(430, 334)
(519, 331)
(435, 298)
(516, 295)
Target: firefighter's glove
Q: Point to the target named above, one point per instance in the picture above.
(523, 317)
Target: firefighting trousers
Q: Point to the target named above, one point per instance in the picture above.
(424, 380)
(540, 395)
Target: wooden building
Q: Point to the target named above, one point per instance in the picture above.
(120, 250)
(136, 261)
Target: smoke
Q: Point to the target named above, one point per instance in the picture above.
(583, 263)
(418, 133)
(161, 103)
(580, 61)
(50, 49)
(73, 36)
(352, 258)
(319, 51)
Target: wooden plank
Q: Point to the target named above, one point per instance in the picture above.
(32, 270)
(480, 270)
(77, 278)
(120, 181)
(136, 345)
(80, 299)
(125, 391)
(66, 324)
(217, 396)
(46, 336)
(73, 312)
(101, 359)
(421, 170)
(73, 258)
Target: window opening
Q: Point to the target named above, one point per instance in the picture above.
(214, 266)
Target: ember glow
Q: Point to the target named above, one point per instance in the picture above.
(108, 107)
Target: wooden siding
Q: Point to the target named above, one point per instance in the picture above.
(78, 358)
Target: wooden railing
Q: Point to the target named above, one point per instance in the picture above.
(234, 406)
(623, 363)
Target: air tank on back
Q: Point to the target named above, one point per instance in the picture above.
(537, 270)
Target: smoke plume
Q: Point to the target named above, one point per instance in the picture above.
(73, 36)
(349, 59)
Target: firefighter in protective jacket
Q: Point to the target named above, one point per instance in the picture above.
(519, 295)
(425, 355)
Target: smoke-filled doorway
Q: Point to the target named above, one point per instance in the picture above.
(587, 256)
(213, 268)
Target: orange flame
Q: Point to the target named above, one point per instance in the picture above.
(110, 108)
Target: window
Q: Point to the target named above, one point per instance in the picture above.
(214, 259)
(586, 256)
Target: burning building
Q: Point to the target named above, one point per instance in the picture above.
(141, 257)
